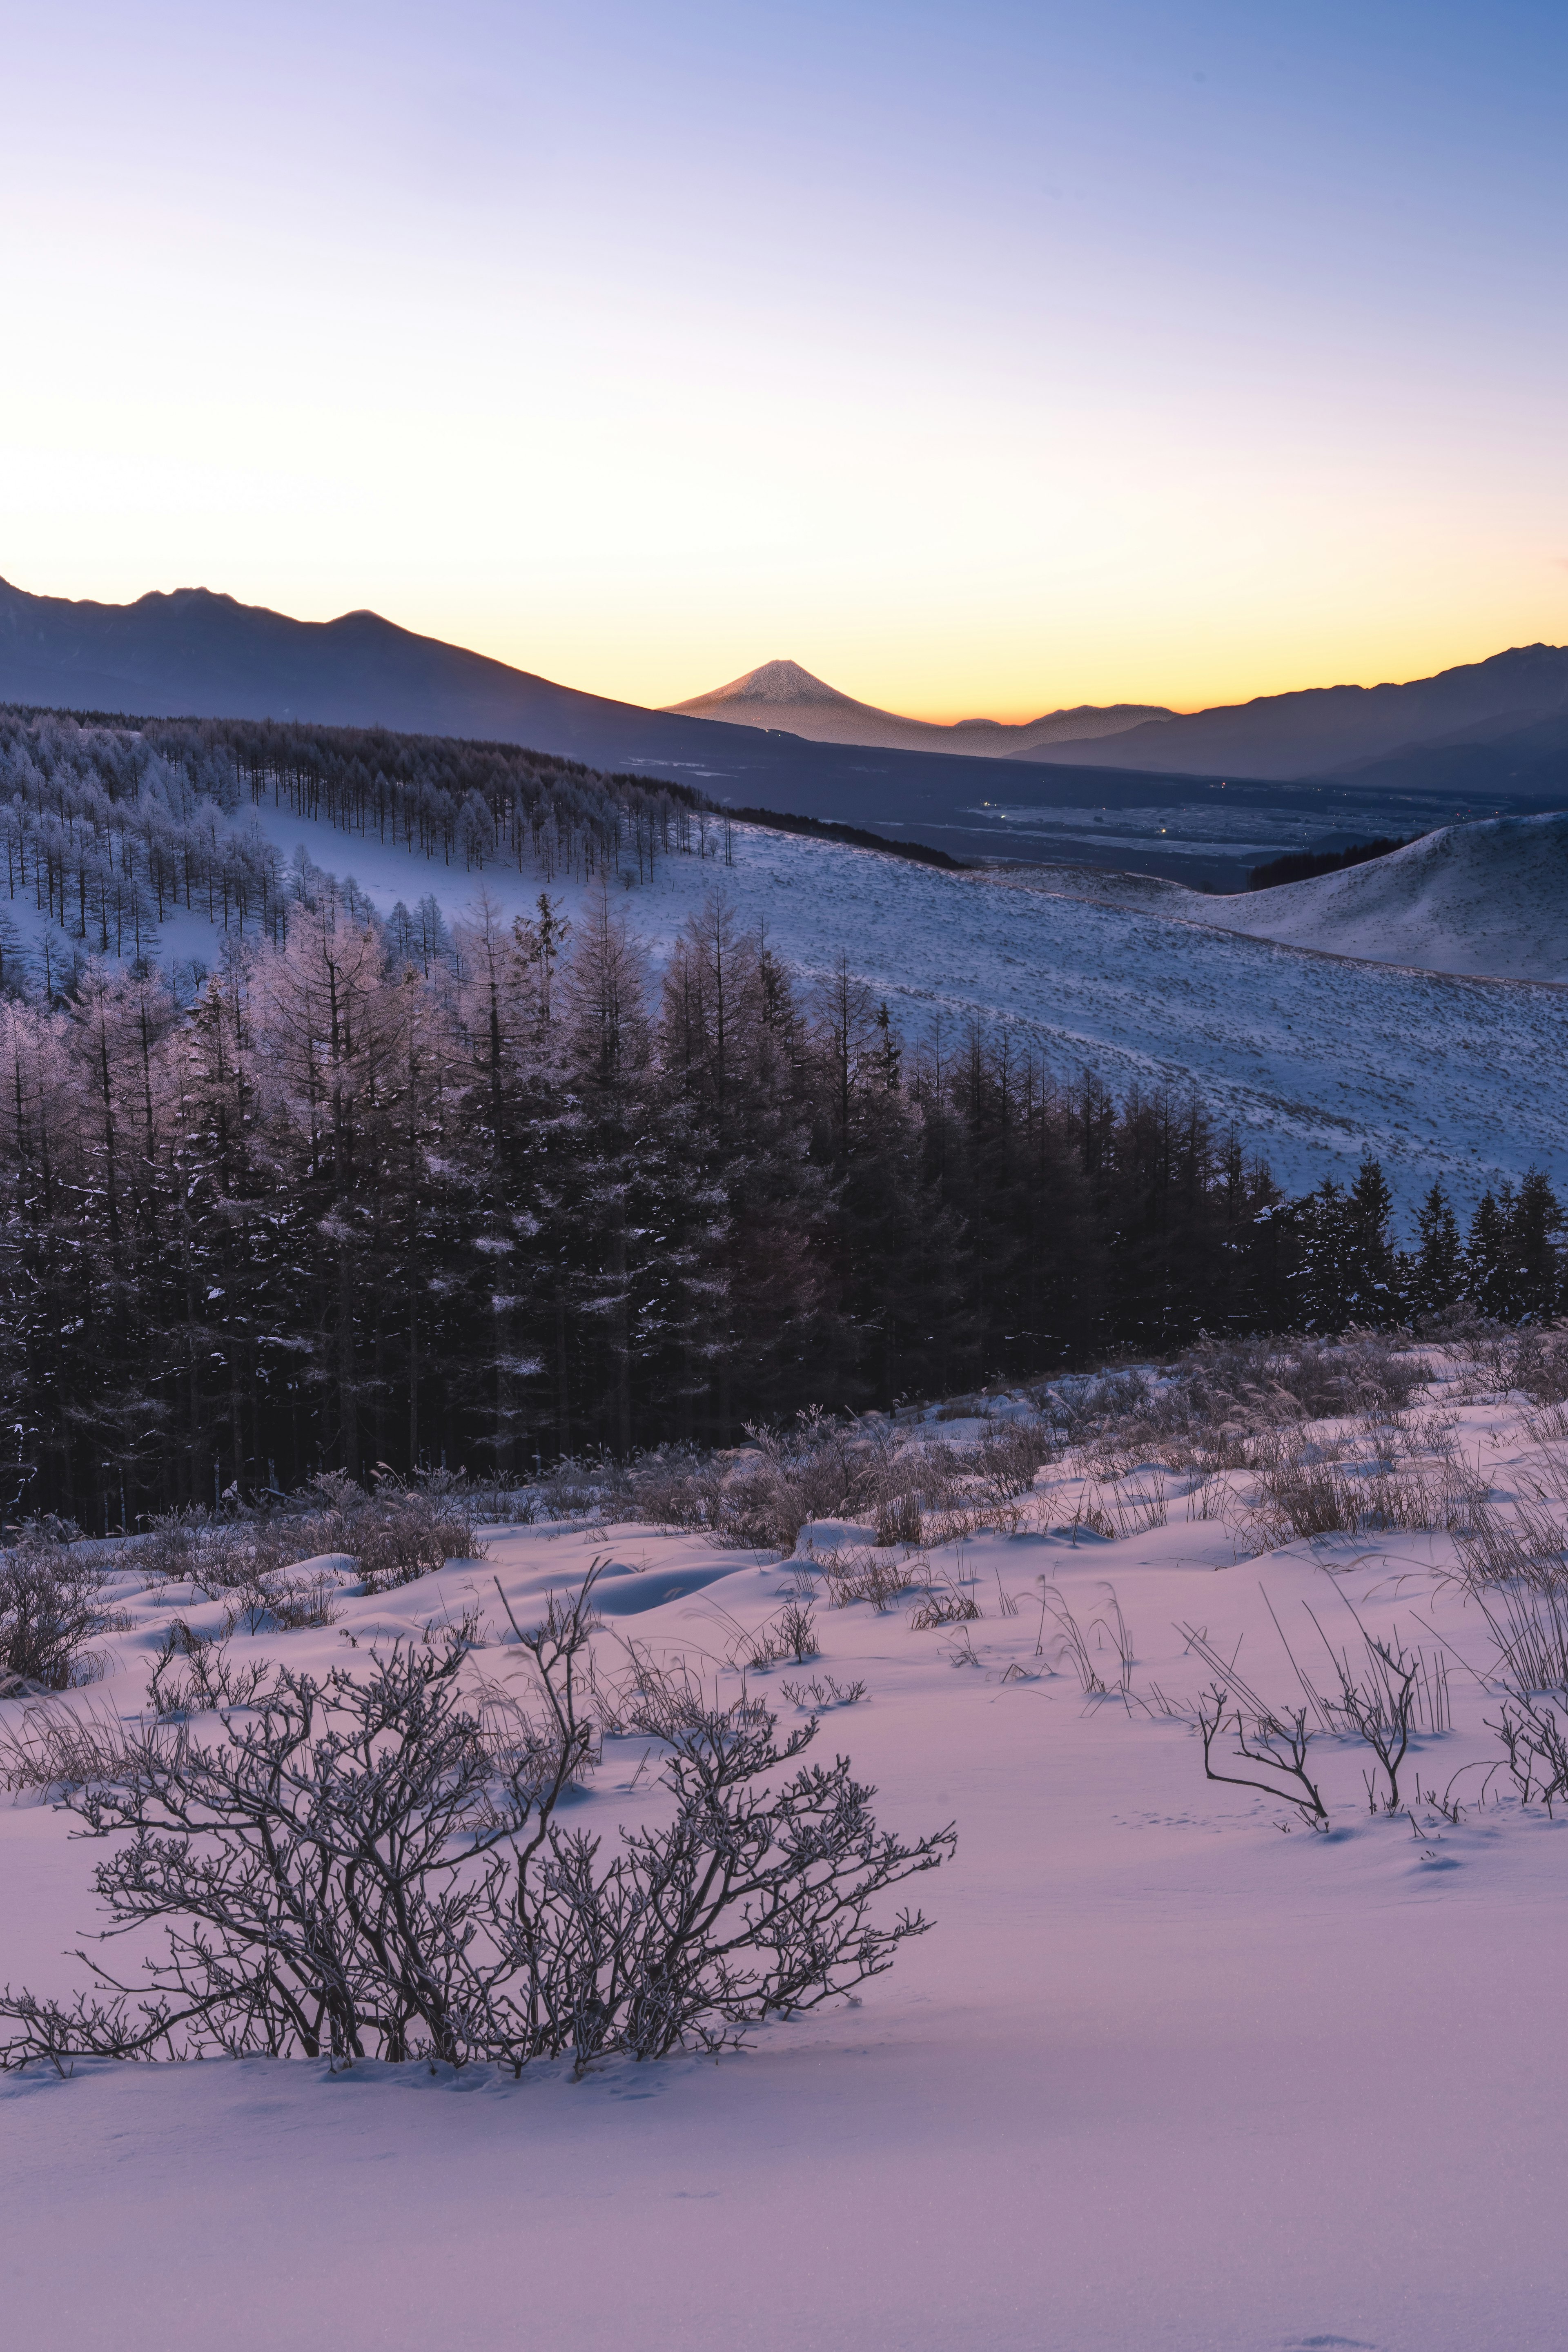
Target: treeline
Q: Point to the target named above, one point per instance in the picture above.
(109, 830)
(1304, 865)
(495, 1199)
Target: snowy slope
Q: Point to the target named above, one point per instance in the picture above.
(1160, 2080)
(1481, 899)
(1314, 1059)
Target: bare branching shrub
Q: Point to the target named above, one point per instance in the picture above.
(1276, 1743)
(50, 1607)
(1531, 1363)
(822, 1692)
(791, 1633)
(1273, 1741)
(194, 1675)
(1534, 1735)
(1378, 1704)
(373, 1866)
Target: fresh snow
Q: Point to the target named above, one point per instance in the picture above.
(1160, 2077)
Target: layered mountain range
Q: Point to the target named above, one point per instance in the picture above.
(1487, 729)
(782, 693)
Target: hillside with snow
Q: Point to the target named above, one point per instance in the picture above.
(1487, 901)
(1315, 1058)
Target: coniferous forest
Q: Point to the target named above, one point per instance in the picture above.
(376, 1193)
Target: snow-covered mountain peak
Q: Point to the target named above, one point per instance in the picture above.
(778, 681)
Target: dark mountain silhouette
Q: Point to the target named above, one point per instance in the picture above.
(783, 694)
(193, 653)
(1341, 731)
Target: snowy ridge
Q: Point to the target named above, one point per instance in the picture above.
(1487, 900)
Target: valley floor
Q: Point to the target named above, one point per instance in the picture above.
(1160, 2076)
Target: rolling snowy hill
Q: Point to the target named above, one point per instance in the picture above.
(1481, 899)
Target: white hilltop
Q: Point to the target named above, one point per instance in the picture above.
(1487, 900)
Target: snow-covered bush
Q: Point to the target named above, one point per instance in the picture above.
(371, 1864)
(50, 1609)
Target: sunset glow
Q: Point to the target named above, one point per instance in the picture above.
(978, 368)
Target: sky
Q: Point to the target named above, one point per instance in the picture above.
(983, 358)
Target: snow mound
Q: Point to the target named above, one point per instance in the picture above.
(1482, 901)
(1488, 899)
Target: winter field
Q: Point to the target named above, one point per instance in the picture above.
(1316, 1057)
(1160, 2075)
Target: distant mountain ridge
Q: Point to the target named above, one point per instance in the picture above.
(1482, 734)
(782, 693)
(195, 654)
(1517, 698)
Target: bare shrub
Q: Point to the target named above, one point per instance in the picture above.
(790, 1634)
(1534, 1736)
(678, 1487)
(374, 1867)
(194, 1676)
(1271, 1739)
(797, 1631)
(1268, 1741)
(50, 1606)
(1378, 1704)
(823, 1691)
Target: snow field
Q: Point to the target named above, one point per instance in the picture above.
(1159, 2076)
